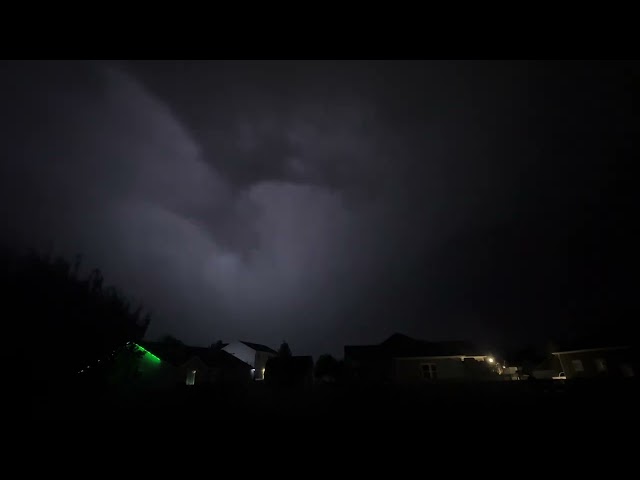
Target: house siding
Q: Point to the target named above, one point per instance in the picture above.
(212, 375)
(615, 361)
(261, 363)
(409, 370)
(194, 363)
(142, 371)
(370, 370)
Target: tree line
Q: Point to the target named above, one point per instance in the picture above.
(58, 321)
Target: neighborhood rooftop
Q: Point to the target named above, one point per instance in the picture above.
(405, 346)
(178, 356)
(259, 347)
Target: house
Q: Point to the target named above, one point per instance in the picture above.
(253, 354)
(404, 360)
(596, 362)
(217, 367)
(293, 371)
(132, 365)
(201, 365)
(549, 368)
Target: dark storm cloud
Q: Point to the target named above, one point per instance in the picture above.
(324, 202)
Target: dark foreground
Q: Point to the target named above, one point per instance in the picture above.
(463, 410)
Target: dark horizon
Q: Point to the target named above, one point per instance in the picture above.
(326, 203)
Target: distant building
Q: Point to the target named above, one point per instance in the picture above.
(294, 371)
(404, 360)
(598, 362)
(135, 365)
(549, 368)
(253, 354)
(199, 365)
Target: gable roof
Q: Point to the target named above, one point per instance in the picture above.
(592, 349)
(590, 341)
(398, 338)
(399, 345)
(550, 362)
(259, 347)
(178, 355)
(216, 358)
(222, 359)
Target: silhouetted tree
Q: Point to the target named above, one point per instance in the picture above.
(326, 368)
(175, 348)
(284, 350)
(61, 324)
(289, 371)
(76, 265)
(96, 280)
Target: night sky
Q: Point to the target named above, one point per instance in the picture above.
(331, 203)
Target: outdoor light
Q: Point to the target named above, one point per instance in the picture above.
(490, 360)
(148, 353)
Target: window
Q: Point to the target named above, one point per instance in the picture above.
(601, 364)
(191, 377)
(429, 371)
(577, 365)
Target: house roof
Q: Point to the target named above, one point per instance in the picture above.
(549, 363)
(584, 350)
(180, 354)
(215, 358)
(165, 352)
(259, 347)
(222, 359)
(399, 345)
(590, 341)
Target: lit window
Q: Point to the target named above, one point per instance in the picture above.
(429, 371)
(601, 364)
(577, 365)
(191, 377)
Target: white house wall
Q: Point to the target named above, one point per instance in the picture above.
(242, 352)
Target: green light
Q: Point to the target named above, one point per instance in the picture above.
(147, 352)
